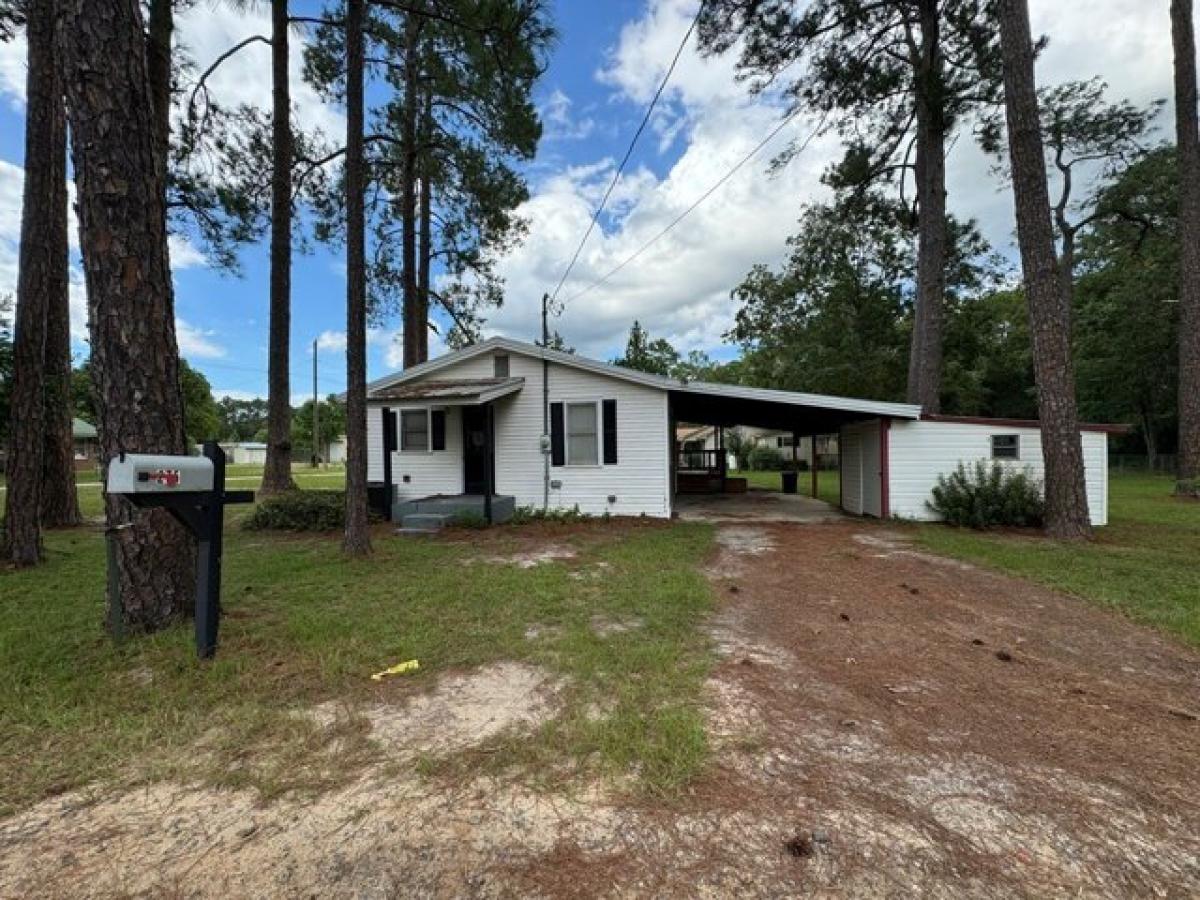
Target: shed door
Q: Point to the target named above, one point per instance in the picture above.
(872, 471)
(851, 444)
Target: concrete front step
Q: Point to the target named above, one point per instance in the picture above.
(449, 506)
(425, 521)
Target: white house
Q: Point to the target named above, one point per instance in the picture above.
(532, 427)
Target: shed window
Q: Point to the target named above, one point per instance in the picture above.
(414, 431)
(582, 435)
(1006, 446)
(500, 361)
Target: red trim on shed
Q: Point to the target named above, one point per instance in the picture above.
(885, 475)
(1020, 423)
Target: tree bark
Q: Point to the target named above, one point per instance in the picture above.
(357, 538)
(925, 356)
(120, 177)
(425, 213)
(1187, 138)
(414, 323)
(60, 502)
(277, 475)
(1049, 315)
(37, 277)
(158, 67)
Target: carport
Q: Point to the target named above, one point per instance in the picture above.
(800, 414)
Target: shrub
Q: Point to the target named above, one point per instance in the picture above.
(300, 511)
(524, 514)
(988, 497)
(1188, 487)
(763, 458)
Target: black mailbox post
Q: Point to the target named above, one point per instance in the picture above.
(195, 495)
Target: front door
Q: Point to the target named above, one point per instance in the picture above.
(475, 450)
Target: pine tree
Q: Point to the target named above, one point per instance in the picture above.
(357, 538)
(1049, 314)
(1183, 38)
(895, 79)
(123, 235)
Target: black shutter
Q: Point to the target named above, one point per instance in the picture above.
(437, 425)
(610, 432)
(558, 454)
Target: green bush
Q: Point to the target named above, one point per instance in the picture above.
(523, 515)
(1188, 487)
(988, 497)
(763, 458)
(300, 511)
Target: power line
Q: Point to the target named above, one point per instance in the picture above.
(712, 190)
(637, 134)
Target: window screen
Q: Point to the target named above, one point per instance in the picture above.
(1006, 446)
(414, 431)
(501, 363)
(581, 435)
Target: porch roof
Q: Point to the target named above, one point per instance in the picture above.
(458, 392)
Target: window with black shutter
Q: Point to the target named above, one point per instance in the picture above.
(557, 435)
(610, 432)
(437, 428)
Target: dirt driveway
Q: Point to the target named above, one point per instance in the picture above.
(885, 723)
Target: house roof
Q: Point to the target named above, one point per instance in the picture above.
(82, 430)
(463, 391)
(734, 396)
(1022, 423)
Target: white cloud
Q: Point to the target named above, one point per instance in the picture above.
(221, 394)
(196, 342)
(246, 76)
(332, 341)
(12, 71)
(558, 122)
(184, 254)
(680, 287)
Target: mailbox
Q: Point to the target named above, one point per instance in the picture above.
(141, 473)
(192, 489)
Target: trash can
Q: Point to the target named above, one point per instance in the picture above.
(789, 481)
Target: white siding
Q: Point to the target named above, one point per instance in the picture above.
(375, 444)
(639, 481)
(920, 451)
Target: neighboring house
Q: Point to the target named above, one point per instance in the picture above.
(697, 447)
(337, 450)
(542, 428)
(85, 440)
(252, 453)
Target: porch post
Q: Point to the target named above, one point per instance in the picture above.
(813, 468)
(488, 461)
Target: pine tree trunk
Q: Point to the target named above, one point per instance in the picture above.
(60, 502)
(277, 476)
(414, 320)
(357, 538)
(1049, 314)
(425, 248)
(158, 66)
(925, 356)
(1187, 139)
(122, 222)
(38, 275)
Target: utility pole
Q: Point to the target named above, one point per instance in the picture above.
(316, 454)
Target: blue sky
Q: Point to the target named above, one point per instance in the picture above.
(605, 66)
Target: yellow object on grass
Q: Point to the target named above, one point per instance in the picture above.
(403, 668)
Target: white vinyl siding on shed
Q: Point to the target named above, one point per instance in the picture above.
(922, 450)
(639, 480)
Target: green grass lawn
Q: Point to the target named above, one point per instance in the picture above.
(304, 625)
(828, 483)
(1145, 562)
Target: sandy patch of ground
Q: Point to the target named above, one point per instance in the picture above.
(535, 556)
(462, 711)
